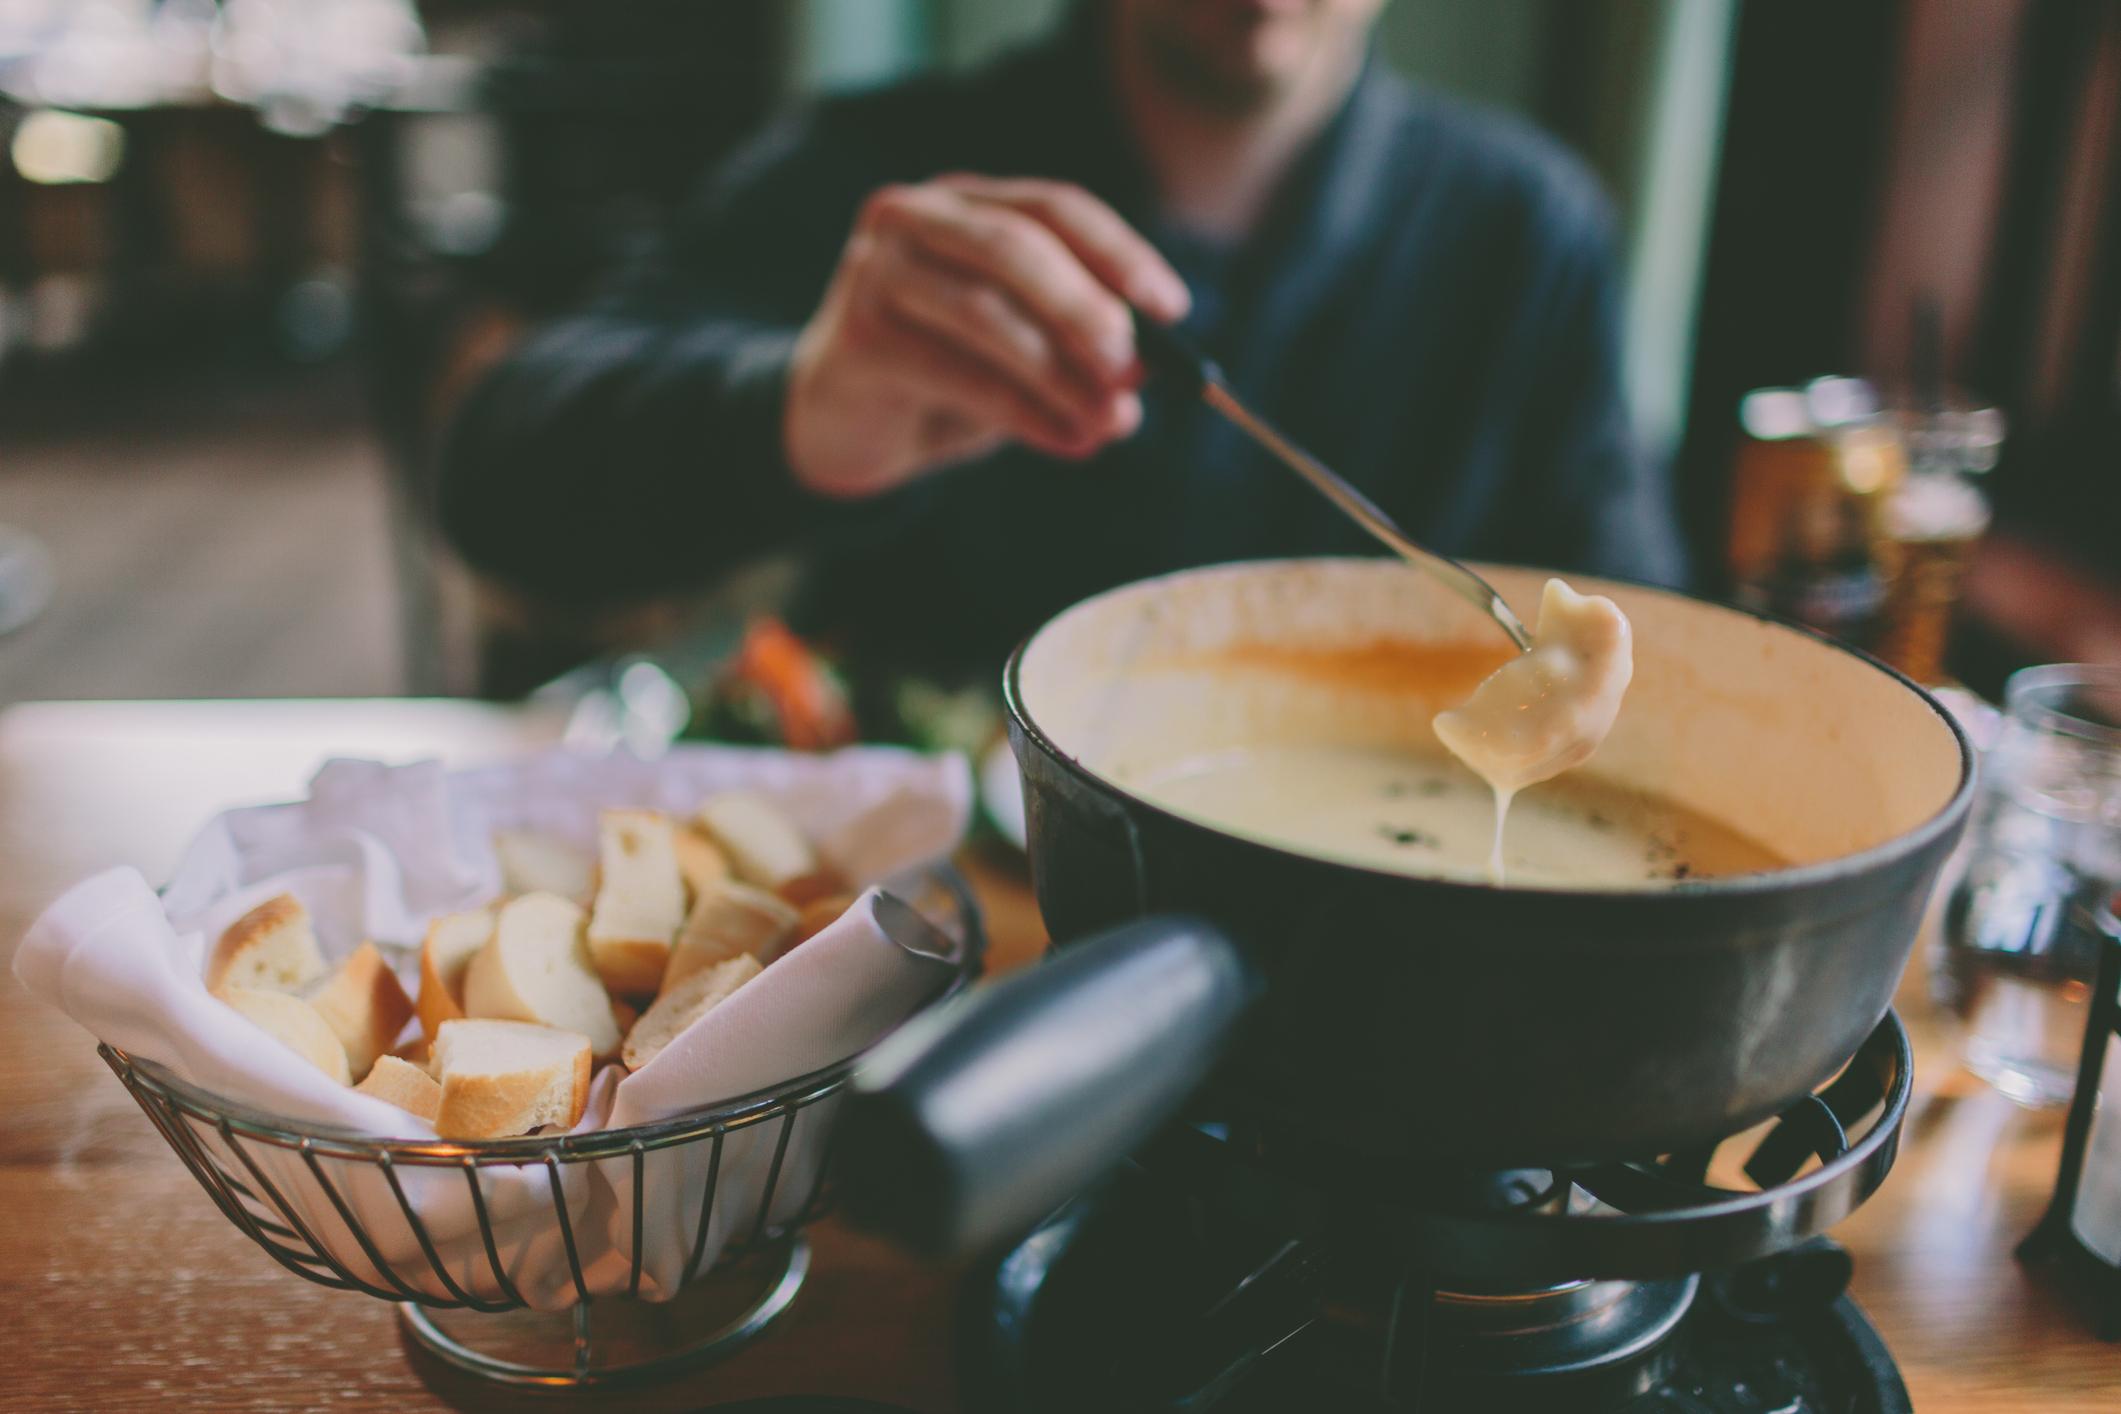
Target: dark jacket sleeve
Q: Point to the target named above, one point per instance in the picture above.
(635, 447)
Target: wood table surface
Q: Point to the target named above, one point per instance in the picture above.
(125, 1289)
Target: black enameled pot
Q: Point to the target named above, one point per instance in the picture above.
(1431, 1021)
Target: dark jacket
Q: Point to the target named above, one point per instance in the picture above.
(1429, 306)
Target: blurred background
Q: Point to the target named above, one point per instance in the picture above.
(252, 251)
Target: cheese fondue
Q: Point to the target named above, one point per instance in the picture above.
(1547, 710)
(1415, 814)
(1536, 715)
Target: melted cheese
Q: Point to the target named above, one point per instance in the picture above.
(1548, 709)
(1413, 813)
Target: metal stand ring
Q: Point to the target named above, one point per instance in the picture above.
(580, 1372)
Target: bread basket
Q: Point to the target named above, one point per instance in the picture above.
(721, 1305)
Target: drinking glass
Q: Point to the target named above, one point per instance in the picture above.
(1934, 521)
(2020, 936)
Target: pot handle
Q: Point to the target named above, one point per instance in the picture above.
(977, 1118)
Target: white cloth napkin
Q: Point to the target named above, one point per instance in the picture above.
(374, 853)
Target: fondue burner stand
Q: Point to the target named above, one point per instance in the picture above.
(1222, 1270)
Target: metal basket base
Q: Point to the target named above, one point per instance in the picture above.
(615, 1340)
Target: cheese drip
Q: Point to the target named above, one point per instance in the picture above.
(1547, 709)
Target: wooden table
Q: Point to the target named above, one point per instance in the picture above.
(125, 1289)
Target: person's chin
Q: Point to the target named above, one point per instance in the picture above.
(1278, 51)
(1236, 55)
(1256, 58)
(1265, 45)
(1265, 65)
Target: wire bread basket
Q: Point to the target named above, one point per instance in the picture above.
(746, 1197)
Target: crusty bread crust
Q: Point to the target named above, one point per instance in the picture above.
(702, 865)
(442, 975)
(485, 1105)
(630, 967)
(683, 1003)
(823, 882)
(537, 968)
(405, 1085)
(734, 919)
(292, 1022)
(270, 948)
(762, 844)
(364, 1005)
(640, 900)
(437, 1002)
(414, 1050)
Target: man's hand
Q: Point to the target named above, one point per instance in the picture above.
(967, 312)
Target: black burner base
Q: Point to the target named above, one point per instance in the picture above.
(1120, 1305)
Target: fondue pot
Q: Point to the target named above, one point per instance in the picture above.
(1395, 1021)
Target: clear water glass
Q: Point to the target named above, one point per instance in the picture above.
(2020, 936)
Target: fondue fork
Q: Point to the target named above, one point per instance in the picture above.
(1170, 354)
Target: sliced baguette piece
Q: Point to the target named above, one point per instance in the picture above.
(733, 921)
(502, 1078)
(272, 948)
(683, 1003)
(415, 1050)
(294, 1023)
(364, 1005)
(764, 847)
(534, 863)
(640, 900)
(820, 883)
(452, 941)
(537, 968)
(700, 860)
(405, 1085)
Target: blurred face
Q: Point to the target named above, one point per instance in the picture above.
(1241, 55)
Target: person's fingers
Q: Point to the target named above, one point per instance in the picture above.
(987, 323)
(1026, 259)
(975, 393)
(1100, 237)
(949, 437)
